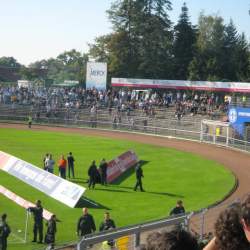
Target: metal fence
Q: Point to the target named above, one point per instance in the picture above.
(129, 237)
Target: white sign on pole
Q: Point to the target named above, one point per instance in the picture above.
(96, 75)
(62, 190)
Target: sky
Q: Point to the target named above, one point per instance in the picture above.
(31, 30)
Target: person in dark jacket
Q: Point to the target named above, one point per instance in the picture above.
(71, 161)
(93, 174)
(139, 175)
(106, 225)
(4, 232)
(103, 168)
(85, 224)
(38, 221)
(51, 232)
(178, 209)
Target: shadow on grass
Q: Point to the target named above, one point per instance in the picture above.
(128, 173)
(111, 190)
(167, 194)
(85, 202)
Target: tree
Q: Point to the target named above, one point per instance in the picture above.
(207, 62)
(9, 62)
(183, 47)
(69, 65)
(143, 29)
(242, 58)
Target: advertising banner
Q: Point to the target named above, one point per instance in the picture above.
(119, 165)
(96, 76)
(238, 118)
(242, 87)
(22, 202)
(62, 190)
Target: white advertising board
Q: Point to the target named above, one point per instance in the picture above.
(242, 87)
(62, 190)
(96, 76)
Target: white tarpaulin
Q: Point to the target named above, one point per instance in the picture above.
(62, 190)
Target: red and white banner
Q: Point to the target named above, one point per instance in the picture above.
(242, 87)
(119, 165)
(22, 202)
(62, 190)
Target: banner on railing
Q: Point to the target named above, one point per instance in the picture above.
(62, 190)
(121, 164)
(22, 202)
(185, 85)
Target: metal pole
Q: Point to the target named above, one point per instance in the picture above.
(202, 223)
(26, 226)
(227, 136)
(137, 239)
(201, 135)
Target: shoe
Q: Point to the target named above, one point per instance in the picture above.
(142, 190)
(33, 241)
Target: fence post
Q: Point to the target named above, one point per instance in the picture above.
(137, 239)
(202, 223)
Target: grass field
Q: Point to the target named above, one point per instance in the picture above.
(169, 175)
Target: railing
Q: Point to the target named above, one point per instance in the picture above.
(130, 237)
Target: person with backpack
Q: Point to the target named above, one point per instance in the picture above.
(4, 232)
(85, 224)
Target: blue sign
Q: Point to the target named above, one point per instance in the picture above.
(238, 117)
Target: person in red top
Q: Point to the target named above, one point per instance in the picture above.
(62, 164)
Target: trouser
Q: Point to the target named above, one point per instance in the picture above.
(104, 179)
(71, 169)
(38, 228)
(51, 170)
(3, 243)
(62, 173)
(138, 184)
(92, 182)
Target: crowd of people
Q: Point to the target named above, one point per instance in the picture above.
(53, 99)
(64, 165)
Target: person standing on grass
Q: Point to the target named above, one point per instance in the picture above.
(71, 161)
(51, 232)
(50, 164)
(62, 164)
(29, 121)
(139, 175)
(38, 221)
(46, 157)
(85, 224)
(4, 232)
(103, 167)
(93, 174)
